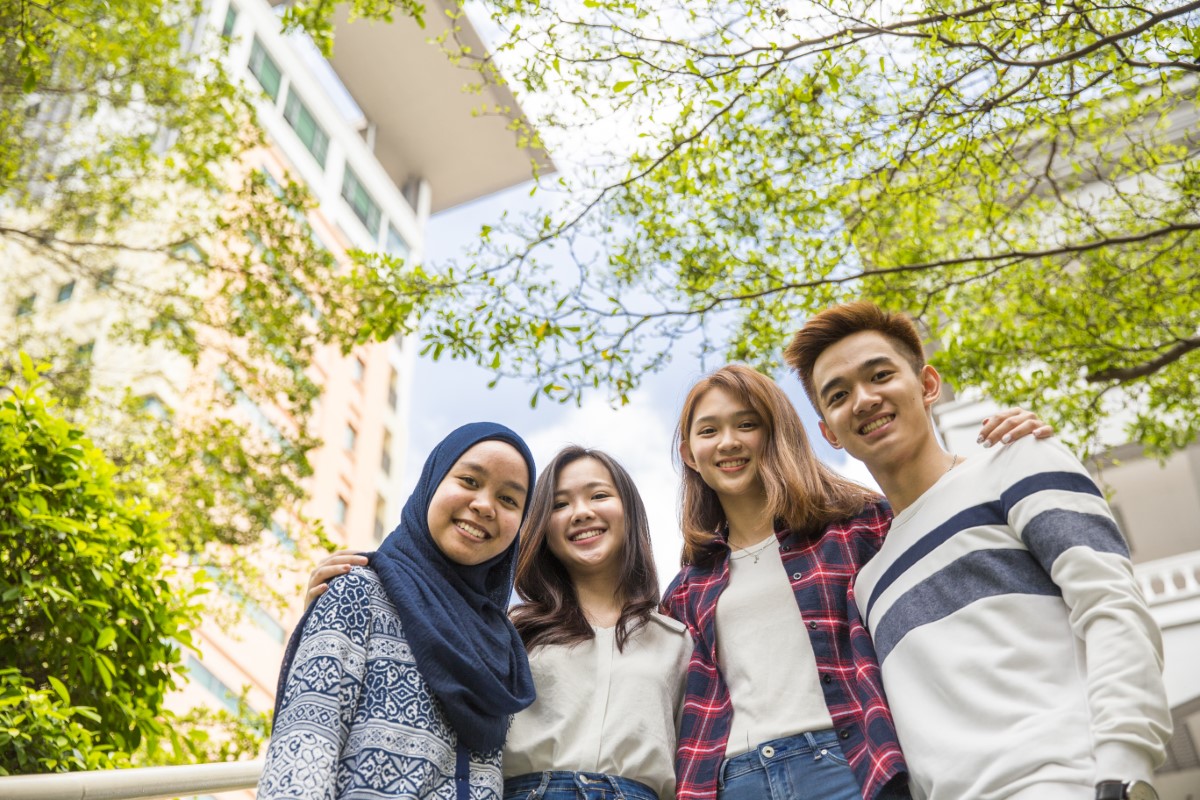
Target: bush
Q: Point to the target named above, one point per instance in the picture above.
(92, 615)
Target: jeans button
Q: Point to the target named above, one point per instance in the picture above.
(768, 751)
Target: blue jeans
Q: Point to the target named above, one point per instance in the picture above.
(801, 767)
(575, 786)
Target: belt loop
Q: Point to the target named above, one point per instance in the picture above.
(540, 791)
(620, 795)
(721, 773)
(813, 745)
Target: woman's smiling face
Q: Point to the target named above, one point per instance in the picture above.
(587, 523)
(476, 511)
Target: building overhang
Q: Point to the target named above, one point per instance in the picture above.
(425, 111)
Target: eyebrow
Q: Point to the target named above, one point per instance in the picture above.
(866, 365)
(516, 486)
(588, 485)
(741, 412)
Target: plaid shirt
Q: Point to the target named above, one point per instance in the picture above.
(820, 571)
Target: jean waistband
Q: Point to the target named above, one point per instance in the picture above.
(775, 749)
(543, 780)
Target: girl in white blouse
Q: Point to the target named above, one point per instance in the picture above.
(608, 669)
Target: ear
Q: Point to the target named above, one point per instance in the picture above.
(685, 454)
(931, 385)
(828, 434)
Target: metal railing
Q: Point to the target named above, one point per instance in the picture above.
(142, 783)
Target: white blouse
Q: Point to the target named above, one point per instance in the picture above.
(599, 709)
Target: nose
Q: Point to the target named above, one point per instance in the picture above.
(727, 440)
(865, 398)
(581, 510)
(482, 505)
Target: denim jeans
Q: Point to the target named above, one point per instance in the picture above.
(807, 766)
(575, 786)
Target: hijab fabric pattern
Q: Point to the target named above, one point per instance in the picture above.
(454, 616)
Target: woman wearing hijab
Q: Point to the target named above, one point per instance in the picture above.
(401, 680)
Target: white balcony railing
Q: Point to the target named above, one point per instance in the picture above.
(145, 783)
(1168, 580)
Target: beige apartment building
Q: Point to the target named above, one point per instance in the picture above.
(383, 135)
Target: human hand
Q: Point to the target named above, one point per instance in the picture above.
(330, 567)
(1007, 426)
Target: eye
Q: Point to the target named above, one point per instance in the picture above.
(882, 375)
(469, 480)
(835, 398)
(747, 425)
(601, 495)
(510, 501)
(558, 504)
(707, 430)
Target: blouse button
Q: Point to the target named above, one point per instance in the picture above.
(812, 625)
(827, 678)
(844, 733)
(768, 751)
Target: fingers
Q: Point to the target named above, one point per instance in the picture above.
(330, 567)
(1011, 424)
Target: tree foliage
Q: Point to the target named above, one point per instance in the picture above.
(123, 167)
(93, 615)
(1020, 175)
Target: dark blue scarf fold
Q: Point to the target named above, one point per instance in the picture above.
(454, 616)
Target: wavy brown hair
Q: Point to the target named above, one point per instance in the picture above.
(802, 492)
(551, 613)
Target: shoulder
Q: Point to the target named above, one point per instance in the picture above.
(359, 590)
(671, 627)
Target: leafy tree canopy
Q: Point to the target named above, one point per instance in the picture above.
(1019, 175)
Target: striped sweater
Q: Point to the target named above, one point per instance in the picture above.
(1017, 653)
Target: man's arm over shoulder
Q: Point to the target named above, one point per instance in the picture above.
(1061, 516)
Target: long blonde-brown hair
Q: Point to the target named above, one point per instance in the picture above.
(802, 493)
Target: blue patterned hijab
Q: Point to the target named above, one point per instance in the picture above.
(455, 617)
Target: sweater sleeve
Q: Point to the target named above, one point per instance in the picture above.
(320, 694)
(1061, 516)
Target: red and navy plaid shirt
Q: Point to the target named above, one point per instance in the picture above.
(820, 570)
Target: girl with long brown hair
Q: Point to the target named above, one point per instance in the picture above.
(782, 703)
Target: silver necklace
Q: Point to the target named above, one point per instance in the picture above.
(952, 464)
(756, 553)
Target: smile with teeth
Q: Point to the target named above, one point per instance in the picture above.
(733, 463)
(876, 424)
(583, 536)
(472, 530)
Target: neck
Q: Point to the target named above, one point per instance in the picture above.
(599, 595)
(904, 480)
(749, 520)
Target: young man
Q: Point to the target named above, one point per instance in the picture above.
(1017, 653)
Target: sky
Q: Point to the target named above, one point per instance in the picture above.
(446, 394)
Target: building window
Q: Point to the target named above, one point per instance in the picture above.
(65, 291)
(306, 127)
(230, 19)
(83, 353)
(25, 305)
(349, 438)
(396, 246)
(153, 405)
(362, 204)
(385, 460)
(358, 368)
(393, 392)
(380, 513)
(264, 70)
(202, 676)
(340, 511)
